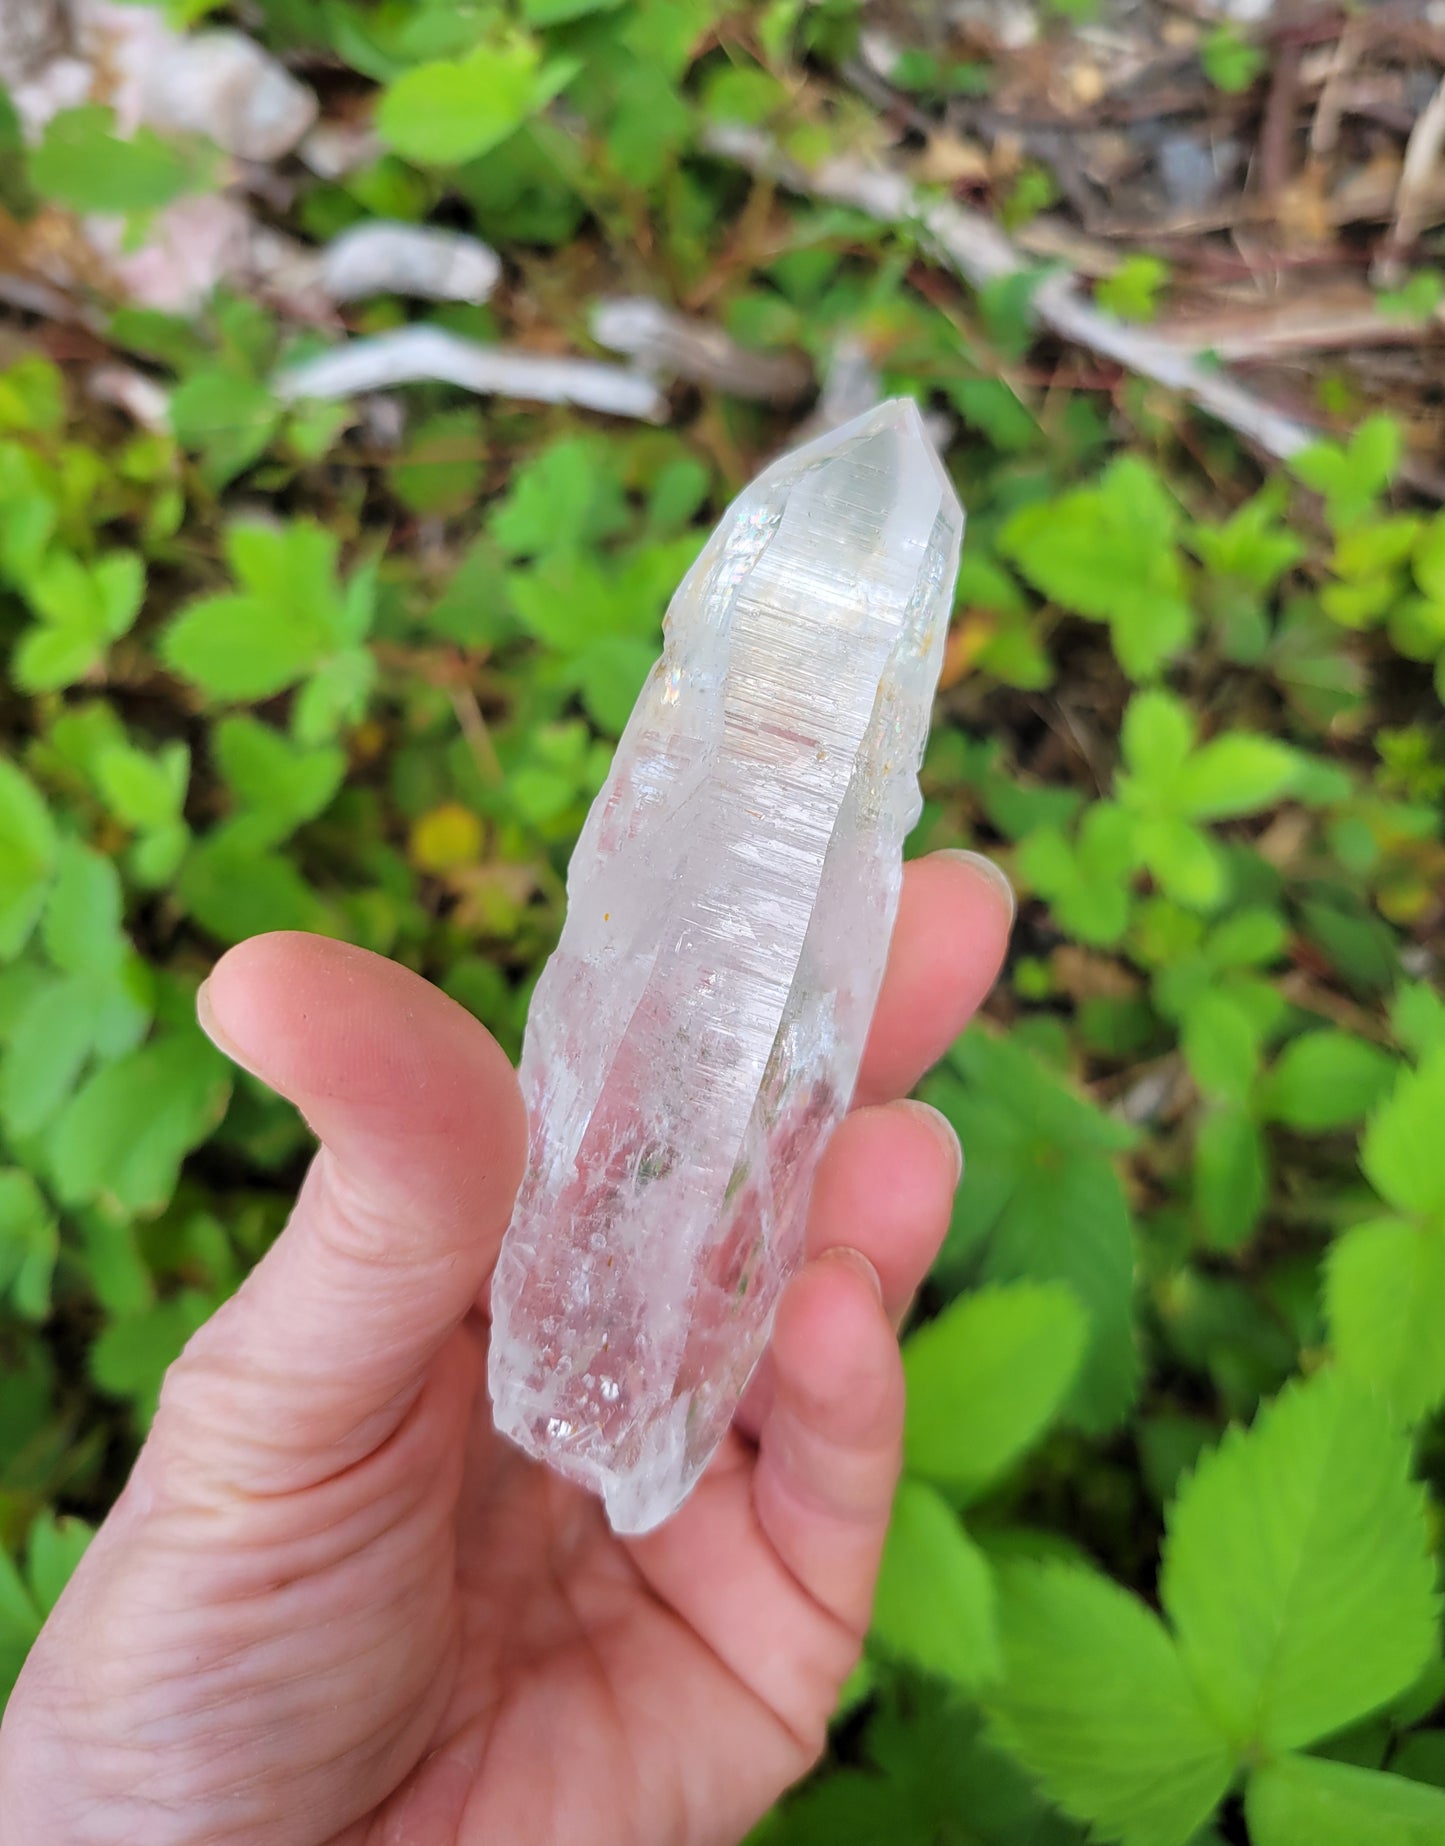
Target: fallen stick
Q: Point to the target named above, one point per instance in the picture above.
(667, 344)
(979, 252)
(412, 355)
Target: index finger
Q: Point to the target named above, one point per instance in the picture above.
(954, 918)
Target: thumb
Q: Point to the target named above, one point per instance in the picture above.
(423, 1139)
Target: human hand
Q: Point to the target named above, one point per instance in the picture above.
(332, 1605)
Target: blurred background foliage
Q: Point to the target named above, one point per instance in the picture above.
(360, 668)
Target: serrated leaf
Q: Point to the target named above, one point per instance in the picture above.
(1400, 1152)
(1109, 552)
(1385, 1300)
(1045, 1204)
(985, 1379)
(1325, 1080)
(1307, 1801)
(1297, 1568)
(1095, 1702)
(934, 1605)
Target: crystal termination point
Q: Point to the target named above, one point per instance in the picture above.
(695, 1038)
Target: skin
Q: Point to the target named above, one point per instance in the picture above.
(332, 1605)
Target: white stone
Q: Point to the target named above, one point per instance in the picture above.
(695, 1039)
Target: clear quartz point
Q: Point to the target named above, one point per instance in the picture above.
(695, 1039)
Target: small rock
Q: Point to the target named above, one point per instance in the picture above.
(224, 85)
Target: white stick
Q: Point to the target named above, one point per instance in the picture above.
(413, 354)
(978, 251)
(671, 344)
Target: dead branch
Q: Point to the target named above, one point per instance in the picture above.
(979, 252)
(411, 355)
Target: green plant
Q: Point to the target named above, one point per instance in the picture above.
(261, 674)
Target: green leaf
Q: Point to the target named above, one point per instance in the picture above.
(143, 790)
(1400, 1152)
(1044, 1201)
(238, 647)
(1324, 1080)
(1236, 774)
(444, 464)
(454, 109)
(225, 417)
(1132, 291)
(1156, 739)
(1095, 1702)
(52, 1040)
(82, 930)
(1221, 1045)
(27, 857)
(1109, 552)
(1306, 1801)
(1088, 883)
(1231, 1177)
(557, 12)
(934, 1605)
(29, 1246)
(1385, 1300)
(281, 782)
(123, 1136)
(57, 1544)
(986, 1378)
(133, 1353)
(1297, 1568)
(1186, 864)
(83, 164)
(235, 887)
(1417, 1017)
(290, 615)
(1352, 477)
(1230, 61)
(19, 1618)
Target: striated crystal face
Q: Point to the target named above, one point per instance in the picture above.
(695, 1039)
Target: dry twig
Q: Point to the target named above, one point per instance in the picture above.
(411, 355)
(978, 251)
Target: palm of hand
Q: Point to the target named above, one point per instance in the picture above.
(333, 1606)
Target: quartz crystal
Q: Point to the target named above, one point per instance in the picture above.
(695, 1039)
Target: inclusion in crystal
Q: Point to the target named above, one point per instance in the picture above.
(695, 1039)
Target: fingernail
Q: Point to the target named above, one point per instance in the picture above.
(206, 1020)
(855, 1260)
(993, 875)
(941, 1128)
